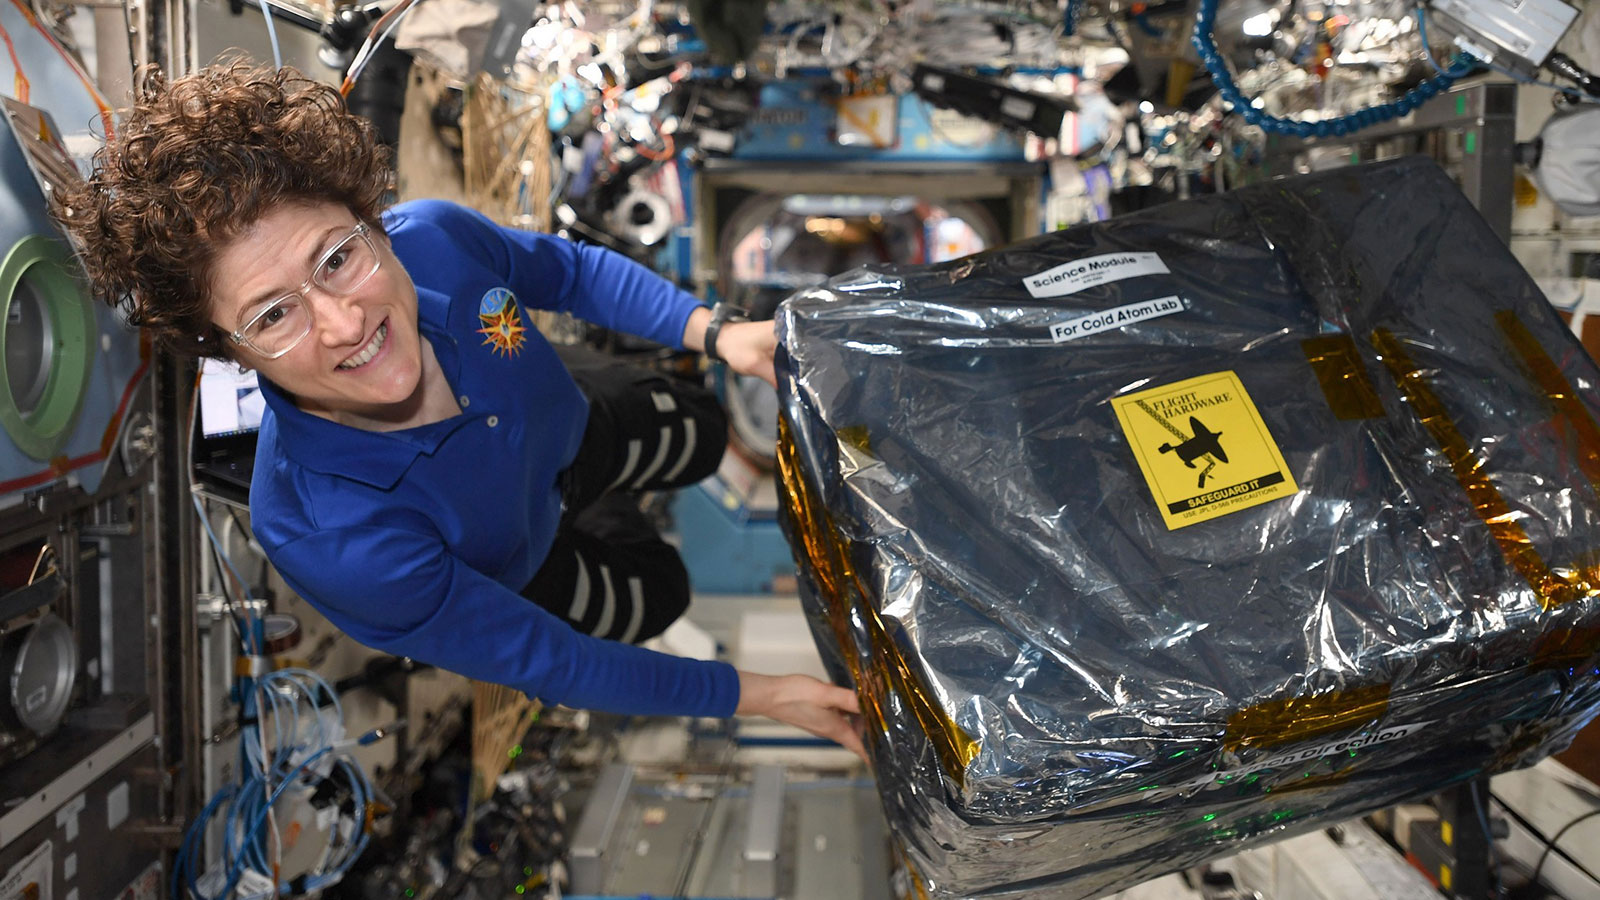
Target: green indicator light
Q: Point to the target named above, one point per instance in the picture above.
(528, 871)
(1472, 142)
(1461, 104)
(521, 889)
(410, 892)
(1209, 816)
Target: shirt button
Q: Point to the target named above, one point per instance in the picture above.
(493, 421)
(465, 400)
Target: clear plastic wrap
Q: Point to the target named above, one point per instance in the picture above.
(1149, 540)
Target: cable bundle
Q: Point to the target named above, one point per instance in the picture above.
(305, 751)
(291, 738)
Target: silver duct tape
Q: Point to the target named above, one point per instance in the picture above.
(1125, 585)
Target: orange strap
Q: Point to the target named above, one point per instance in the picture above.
(83, 77)
(16, 65)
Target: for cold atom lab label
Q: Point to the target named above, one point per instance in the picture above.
(1203, 448)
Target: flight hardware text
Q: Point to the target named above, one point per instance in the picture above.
(1118, 317)
(1184, 404)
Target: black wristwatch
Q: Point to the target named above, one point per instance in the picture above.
(721, 314)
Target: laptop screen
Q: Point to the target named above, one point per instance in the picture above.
(230, 400)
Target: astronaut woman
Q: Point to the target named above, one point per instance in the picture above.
(429, 473)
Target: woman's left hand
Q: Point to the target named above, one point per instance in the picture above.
(747, 348)
(825, 710)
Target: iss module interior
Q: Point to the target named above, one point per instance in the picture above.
(1151, 539)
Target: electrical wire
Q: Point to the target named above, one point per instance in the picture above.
(1481, 806)
(39, 570)
(307, 751)
(1467, 62)
(287, 738)
(1550, 845)
(380, 30)
(222, 555)
(230, 606)
(272, 34)
(72, 63)
(233, 608)
(1571, 92)
(1422, 34)
(21, 85)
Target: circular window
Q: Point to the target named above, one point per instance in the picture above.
(30, 346)
(47, 329)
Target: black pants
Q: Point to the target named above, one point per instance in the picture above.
(608, 572)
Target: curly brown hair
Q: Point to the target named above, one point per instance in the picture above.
(200, 160)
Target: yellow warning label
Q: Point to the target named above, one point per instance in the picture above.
(1203, 448)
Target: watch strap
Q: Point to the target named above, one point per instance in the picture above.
(721, 314)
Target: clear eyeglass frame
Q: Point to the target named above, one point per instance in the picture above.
(319, 274)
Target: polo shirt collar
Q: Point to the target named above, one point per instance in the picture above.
(375, 458)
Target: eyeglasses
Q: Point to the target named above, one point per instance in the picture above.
(279, 326)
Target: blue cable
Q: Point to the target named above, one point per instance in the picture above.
(289, 695)
(1572, 92)
(1205, 22)
(1069, 17)
(1465, 62)
(272, 33)
(184, 863)
(254, 640)
(253, 834)
(1468, 63)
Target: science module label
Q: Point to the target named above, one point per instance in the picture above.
(1072, 277)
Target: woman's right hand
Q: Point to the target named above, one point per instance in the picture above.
(823, 709)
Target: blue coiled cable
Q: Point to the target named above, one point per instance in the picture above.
(1204, 25)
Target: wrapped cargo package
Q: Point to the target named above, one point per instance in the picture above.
(1150, 540)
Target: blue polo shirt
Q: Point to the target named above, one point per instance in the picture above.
(417, 542)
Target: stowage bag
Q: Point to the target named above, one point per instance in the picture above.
(1150, 540)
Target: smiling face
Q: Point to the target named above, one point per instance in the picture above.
(362, 363)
